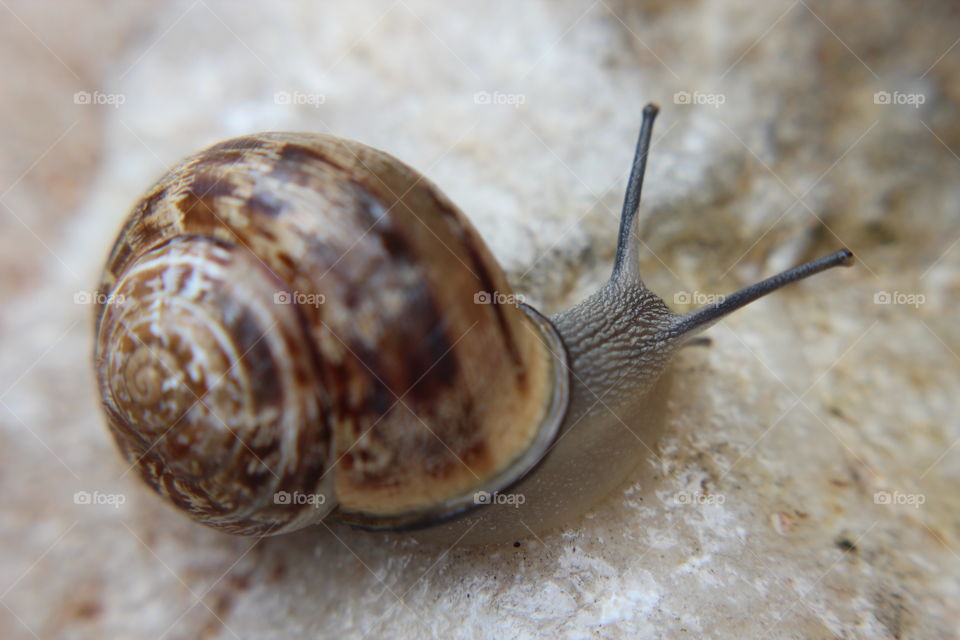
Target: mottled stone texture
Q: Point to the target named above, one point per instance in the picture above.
(760, 511)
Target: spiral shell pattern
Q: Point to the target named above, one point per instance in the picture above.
(209, 393)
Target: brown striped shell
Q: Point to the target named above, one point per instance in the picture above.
(296, 324)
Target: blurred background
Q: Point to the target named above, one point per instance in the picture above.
(805, 484)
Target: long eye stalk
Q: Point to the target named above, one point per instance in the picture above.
(704, 317)
(631, 201)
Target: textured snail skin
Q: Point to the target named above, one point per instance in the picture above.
(299, 326)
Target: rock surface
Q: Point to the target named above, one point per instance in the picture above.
(788, 129)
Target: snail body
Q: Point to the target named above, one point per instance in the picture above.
(296, 326)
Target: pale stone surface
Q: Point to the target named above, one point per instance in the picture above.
(806, 405)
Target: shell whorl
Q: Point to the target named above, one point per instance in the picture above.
(209, 390)
(297, 314)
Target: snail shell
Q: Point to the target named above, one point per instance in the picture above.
(295, 315)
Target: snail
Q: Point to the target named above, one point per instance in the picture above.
(295, 327)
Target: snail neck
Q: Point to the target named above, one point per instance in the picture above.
(618, 343)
